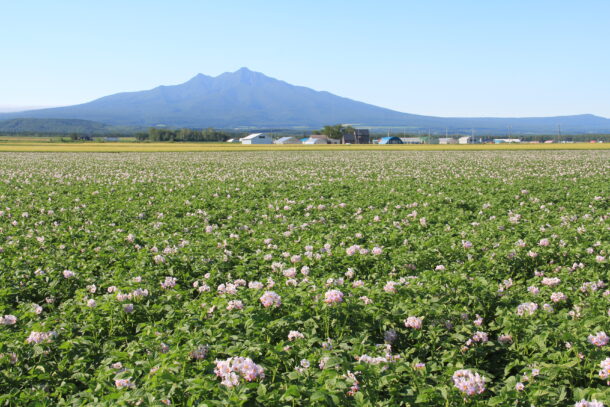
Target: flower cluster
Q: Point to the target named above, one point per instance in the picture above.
(8, 320)
(271, 298)
(468, 382)
(170, 282)
(124, 384)
(230, 370)
(599, 339)
(333, 297)
(292, 335)
(413, 322)
(40, 337)
(604, 373)
(527, 308)
(592, 403)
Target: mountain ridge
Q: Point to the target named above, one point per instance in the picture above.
(245, 98)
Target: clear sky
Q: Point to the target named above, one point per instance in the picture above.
(446, 58)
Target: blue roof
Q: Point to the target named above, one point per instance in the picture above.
(386, 140)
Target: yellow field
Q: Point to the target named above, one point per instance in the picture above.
(24, 138)
(27, 146)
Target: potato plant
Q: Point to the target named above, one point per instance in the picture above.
(305, 279)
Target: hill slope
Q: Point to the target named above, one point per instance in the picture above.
(58, 126)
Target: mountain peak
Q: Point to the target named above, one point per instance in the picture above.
(199, 78)
(243, 76)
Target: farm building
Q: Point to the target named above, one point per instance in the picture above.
(506, 140)
(447, 140)
(465, 140)
(315, 140)
(257, 138)
(288, 140)
(233, 140)
(412, 140)
(390, 140)
(359, 136)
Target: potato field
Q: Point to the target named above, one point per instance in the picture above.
(305, 278)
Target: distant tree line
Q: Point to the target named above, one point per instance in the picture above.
(209, 134)
(335, 131)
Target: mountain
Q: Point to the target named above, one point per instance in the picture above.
(250, 99)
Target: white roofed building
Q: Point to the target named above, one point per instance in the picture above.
(288, 140)
(257, 138)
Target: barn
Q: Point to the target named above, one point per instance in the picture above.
(359, 136)
(257, 138)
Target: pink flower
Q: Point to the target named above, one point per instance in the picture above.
(170, 282)
(232, 369)
(604, 373)
(550, 281)
(333, 297)
(235, 304)
(468, 382)
(366, 300)
(69, 274)
(124, 383)
(270, 298)
(292, 335)
(8, 320)
(527, 308)
(413, 322)
(599, 339)
(350, 251)
(255, 285)
(390, 287)
(40, 337)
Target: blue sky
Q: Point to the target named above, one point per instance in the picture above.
(446, 58)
